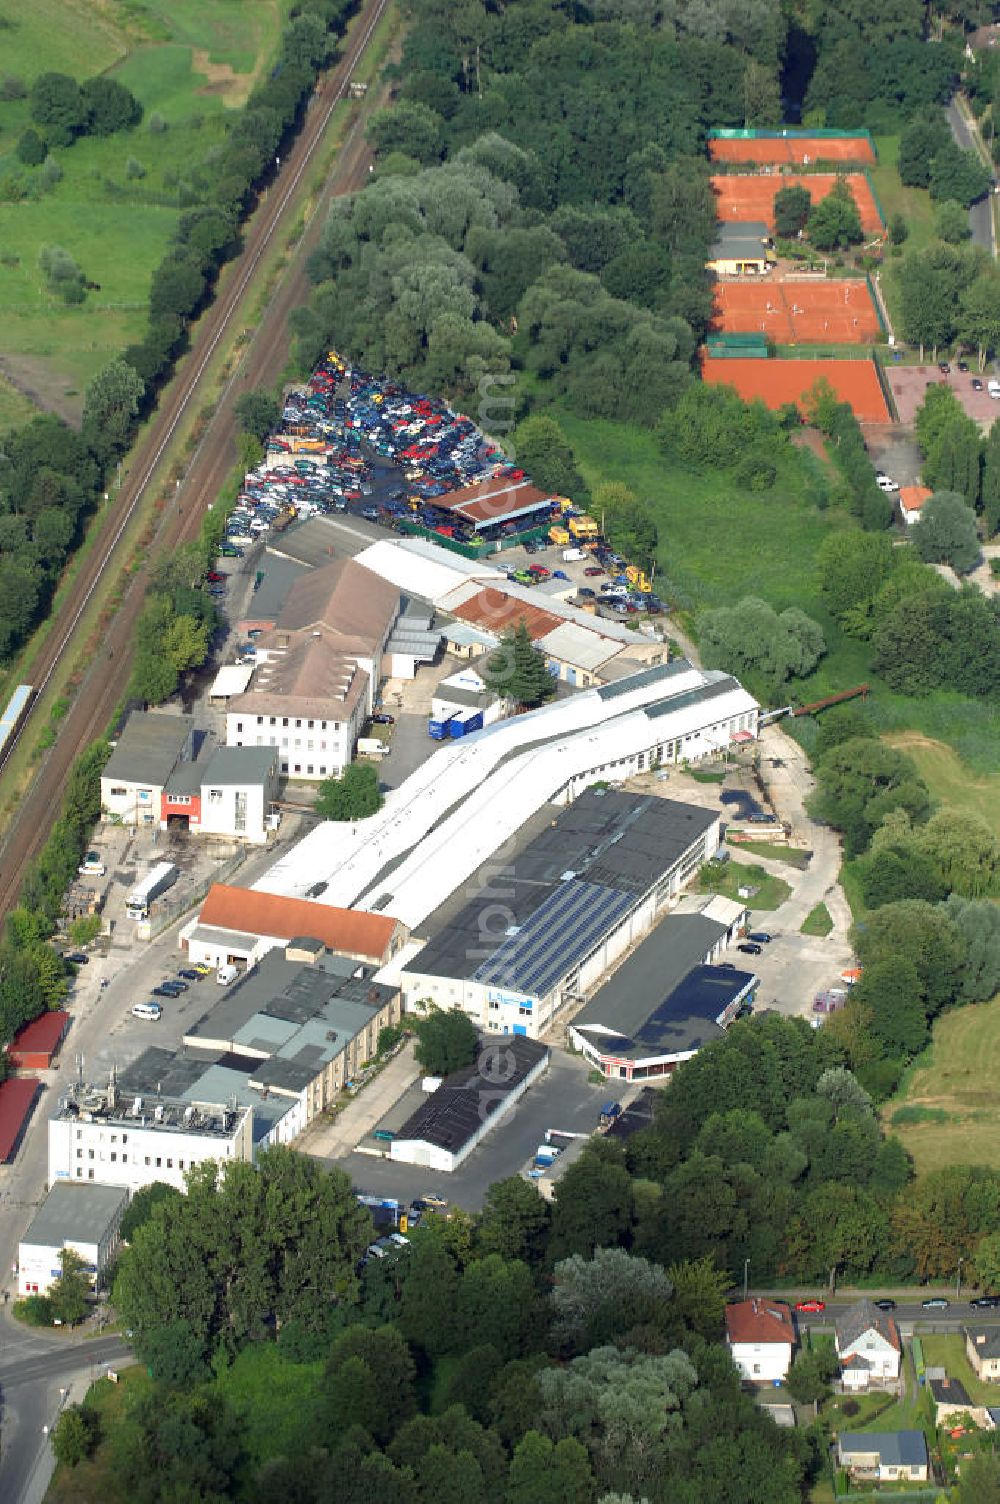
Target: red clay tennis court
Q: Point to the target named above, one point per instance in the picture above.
(776, 382)
(795, 151)
(792, 313)
(746, 196)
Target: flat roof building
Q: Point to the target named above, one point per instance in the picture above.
(667, 1001)
(104, 1135)
(85, 1218)
(562, 910)
(468, 1104)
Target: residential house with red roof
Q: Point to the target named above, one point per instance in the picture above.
(761, 1337)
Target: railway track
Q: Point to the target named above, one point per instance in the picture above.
(108, 674)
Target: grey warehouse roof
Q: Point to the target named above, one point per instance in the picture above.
(280, 575)
(239, 765)
(663, 1000)
(148, 747)
(452, 1114)
(75, 1214)
(564, 890)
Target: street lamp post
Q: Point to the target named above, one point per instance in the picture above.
(958, 1280)
(746, 1277)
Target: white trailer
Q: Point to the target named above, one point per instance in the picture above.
(157, 880)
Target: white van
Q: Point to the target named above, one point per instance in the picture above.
(993, 387)
(225, 975)
(151, 1011)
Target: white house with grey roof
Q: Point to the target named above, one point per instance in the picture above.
(149, 748)
(868, 1345)
(885, 1456)
(85, 1218)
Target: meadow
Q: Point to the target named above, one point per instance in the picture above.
(191, 63)
(946, 1110)
(719, 541)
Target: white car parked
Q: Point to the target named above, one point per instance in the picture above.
(885, 483)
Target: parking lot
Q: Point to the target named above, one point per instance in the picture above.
(909, 385)
(563, 1100)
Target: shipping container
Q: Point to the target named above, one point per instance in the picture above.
(437, 729)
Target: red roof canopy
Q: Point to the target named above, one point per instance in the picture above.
(17, 1098)
(42, 1034)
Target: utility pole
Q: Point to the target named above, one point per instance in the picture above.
(958, 1280)
(746, 1277)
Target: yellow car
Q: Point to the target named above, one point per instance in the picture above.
(202, 969)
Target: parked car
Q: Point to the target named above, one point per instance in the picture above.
(760, 937)
(215, 576)
(76, 957)
(963, 365)
(383, 718)
(592, 571)
(586, 592)
(750, 949)
(92, 866)
(432, 1198)
(189, 974)
(165, 989)
(936, 1303)
(151, 1011)
(202, 969)
(810, 1305)
(885, 482)
(944, 368)
(977, 385)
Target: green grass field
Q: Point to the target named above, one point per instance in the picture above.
(771, 891)
(190, 62)
(952, 784)
(947, 1350)
(955, 1077)
(61, 36)
(817, 921)
(914, 204)
(97, 1478)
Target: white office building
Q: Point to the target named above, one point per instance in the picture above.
(85, 1218)
(100, 1135)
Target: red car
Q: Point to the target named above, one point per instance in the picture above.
(810, 1305)
(214, 577)
(593, 571)
(539, 571)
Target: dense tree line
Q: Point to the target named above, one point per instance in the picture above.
(560, 1373)
(541, 195)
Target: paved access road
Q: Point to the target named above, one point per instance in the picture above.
(105, 682)
(981, 213)
(38, 1373)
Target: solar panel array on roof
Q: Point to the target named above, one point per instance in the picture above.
(691, 697)
(561, 932)
(648, 676)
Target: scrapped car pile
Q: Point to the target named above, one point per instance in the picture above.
(349, 441)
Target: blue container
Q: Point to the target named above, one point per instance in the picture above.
(475, 724)
(456, 726)
(437, 729)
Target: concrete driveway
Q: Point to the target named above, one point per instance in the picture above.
(563, 1099)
